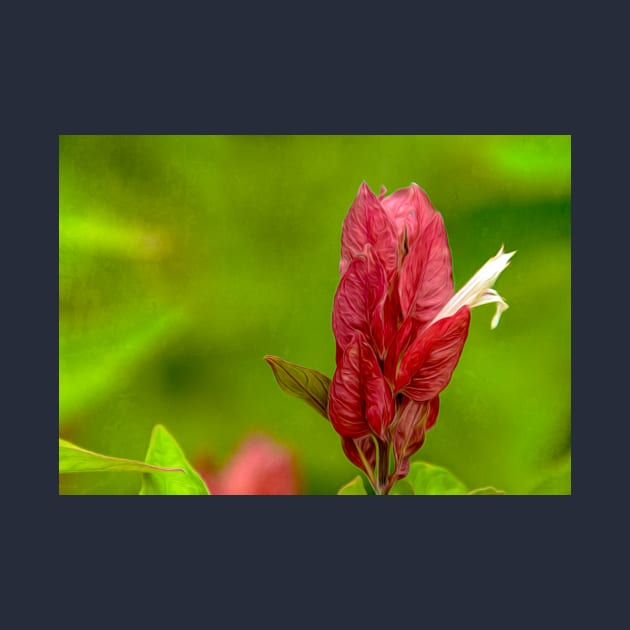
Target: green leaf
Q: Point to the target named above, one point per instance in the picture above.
(353, 487)
(486, 490)
(309, 385)
(74, 459)
(164, 451)
(402, 487)
(429, 479)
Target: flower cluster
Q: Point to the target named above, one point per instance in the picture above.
(399, 328)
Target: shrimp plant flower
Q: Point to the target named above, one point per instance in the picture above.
(399, 329)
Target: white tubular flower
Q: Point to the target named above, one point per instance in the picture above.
(478, 291)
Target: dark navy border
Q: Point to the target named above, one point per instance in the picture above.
(299, 561)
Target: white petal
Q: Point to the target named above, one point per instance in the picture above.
(490, 297)
(502, 306)
(478, 291)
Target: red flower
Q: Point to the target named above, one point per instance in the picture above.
(399, 328)
(259, 466)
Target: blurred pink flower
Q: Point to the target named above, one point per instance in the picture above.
(259, 466)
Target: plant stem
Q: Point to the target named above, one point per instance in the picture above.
(383, 468)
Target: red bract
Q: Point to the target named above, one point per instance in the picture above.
(360, 401)
(399, 328)
(394, 356)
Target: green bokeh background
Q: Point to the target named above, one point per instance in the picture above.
(183, 260)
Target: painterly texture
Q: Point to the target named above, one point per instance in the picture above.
(183, 260)
(393, 360)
